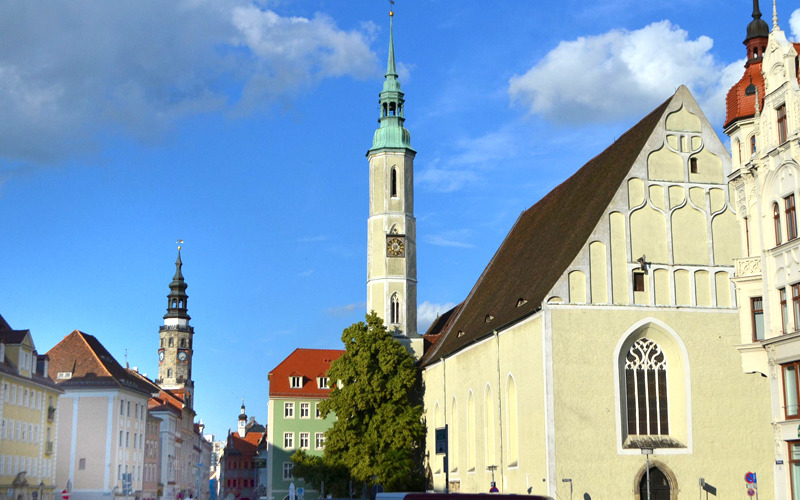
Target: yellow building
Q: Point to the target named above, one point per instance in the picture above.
(604, 329)
(28, 418)
(763, 122)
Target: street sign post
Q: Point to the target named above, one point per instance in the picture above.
(751, 483)
(65, 495)
(440, 439)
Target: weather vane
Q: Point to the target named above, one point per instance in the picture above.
(179, 242)
(391, 8)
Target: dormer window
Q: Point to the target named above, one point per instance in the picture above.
(296, 382)
(322, 383)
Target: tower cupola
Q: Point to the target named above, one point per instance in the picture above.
(391, 133)
(177, 300)
(757, 34)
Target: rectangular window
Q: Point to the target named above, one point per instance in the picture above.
(794, 467)
(320, 440)
(288, 410)
(322, 382)
(288, 440)
(82, 464)
(790, 385)
(305, 410)
(296, 382)
(784, 311)
(791, 218)
(287, 471)
(318, 413)
(638, 281)
(782, 123)
(757, 310)
(122, 407)
(304, 440)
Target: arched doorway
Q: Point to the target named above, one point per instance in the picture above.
(659, 485)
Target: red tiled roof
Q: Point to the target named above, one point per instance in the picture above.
(738, 104)
(541, 245)
(308, 363)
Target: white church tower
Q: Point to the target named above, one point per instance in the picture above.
(392, 235)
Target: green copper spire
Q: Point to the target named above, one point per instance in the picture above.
(390, 133)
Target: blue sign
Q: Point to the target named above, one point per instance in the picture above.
(750, 478)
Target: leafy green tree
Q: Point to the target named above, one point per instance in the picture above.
(319, 473)
(378, 434)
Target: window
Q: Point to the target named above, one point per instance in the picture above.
(320, 440)
(171, 342)
(791, 219)
(288, 440)
(638, 281)
(757, 316)
(121, 435)
(304, 440)
(796, 304)
(790, 389)
(646, 389)
(296, 382)
(169, 372)
(752, 145)
(322, 383)
(794, 467)
(121, 407)
(776, 221)
(394, 183)
(318, 412)
(395, 309)
(693, 165)
(305, 410)
(288, 410)
(784, 311)
(287, 471)
(129, 408)
(82, 464)
(782, 123)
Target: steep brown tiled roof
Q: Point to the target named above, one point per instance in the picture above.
(91, 364)
(542, 243)
(308, 363)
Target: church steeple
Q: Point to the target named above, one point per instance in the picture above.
(391, 133)
(392, 229)
(177, 298)
(176, 338)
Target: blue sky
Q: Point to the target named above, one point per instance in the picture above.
(242, 127)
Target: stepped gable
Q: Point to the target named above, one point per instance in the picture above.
(542, 243)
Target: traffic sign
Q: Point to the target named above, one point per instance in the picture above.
(65, 495)
(441, 440)
(751, 492)
(750, 478)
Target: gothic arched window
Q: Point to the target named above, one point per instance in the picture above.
(393, 183)
(394, 314)
(646, 389)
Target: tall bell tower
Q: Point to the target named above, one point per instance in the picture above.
(392, 234)
(175, 349)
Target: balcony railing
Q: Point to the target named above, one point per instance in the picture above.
(749, 266)
(48, 447)
(51, 413)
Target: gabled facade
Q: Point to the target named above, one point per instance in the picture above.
(239, 470)
(102, 420)
(763, 123)
(28, 418)
(603, 327)
(296, 388)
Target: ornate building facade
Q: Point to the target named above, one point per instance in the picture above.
(763, 122)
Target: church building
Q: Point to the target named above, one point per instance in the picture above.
(596, 351)
(763, 122)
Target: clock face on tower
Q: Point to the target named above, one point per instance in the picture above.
(395, 246)
(182, 356)
(161, 356)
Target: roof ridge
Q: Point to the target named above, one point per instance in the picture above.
(94, 353)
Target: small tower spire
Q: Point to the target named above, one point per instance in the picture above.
(758, 27)
(774, 16)
(177, 299)
(391, 70)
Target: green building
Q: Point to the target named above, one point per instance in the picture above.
(296, 388)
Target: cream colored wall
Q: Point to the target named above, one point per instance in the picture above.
(92, 421)
(724, 401)
(520, 355)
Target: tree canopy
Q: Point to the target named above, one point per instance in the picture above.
(378, 434)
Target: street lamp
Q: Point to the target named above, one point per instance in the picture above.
(568, 480)
(647, 452)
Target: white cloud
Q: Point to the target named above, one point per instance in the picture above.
(621, 74)
(346, 310)
(455, 238)
(427, 312)
(83, 68)
(794, 24)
